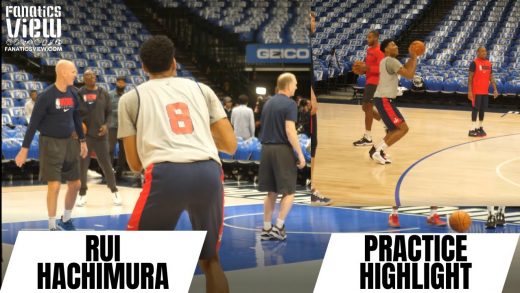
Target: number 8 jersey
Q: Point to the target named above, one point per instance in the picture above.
(172, 121)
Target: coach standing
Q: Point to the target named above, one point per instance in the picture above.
(95, 109)
(115, 95)
(57, 118)
(278, 173)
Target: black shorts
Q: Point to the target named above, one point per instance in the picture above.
(480, 102)
(59, 159)
(171, 188)
(278, 171)
(368, 96)
(389, 113)
(314, 134)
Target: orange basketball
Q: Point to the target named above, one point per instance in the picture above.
(84, 128)
(418, 47)
(356, 68)
(460, 221)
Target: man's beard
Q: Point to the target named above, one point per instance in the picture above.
(120, 90)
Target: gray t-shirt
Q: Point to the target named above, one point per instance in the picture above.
(174, 120)
(388, 78)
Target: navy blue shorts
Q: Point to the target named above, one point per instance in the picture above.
(389, 113)
(171, 188)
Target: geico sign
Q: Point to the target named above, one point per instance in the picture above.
(283, 53)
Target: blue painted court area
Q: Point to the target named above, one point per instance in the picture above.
(308, 230)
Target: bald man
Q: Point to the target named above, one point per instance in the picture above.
(278, 164)
(62, 142)
(95, 110)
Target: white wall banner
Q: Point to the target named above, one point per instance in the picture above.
(416, 262)
(105, 261)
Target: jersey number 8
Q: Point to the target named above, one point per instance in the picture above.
(180, 120)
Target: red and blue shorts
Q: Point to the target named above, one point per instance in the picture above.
(389, 113)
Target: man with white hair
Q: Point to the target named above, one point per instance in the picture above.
(278, 164)
(56, 116)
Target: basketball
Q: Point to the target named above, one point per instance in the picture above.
(418, 47)
(460, 221)
(356, 68)
(84, 128)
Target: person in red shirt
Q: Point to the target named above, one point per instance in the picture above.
(371, 69)
(480, 75)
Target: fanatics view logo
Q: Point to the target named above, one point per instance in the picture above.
(33, 28)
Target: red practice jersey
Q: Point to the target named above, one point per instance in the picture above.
(374, 57)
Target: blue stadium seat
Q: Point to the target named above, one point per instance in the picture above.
(109, 43)
(127, 64)
(101, 49)
(50, 61)
(243, 152)
(116, 57)
(7, 68)
(135, 79)
(81, 63)
(94, 56)
(7, 103)
(108, 78)
(20, 120)
(10, 147)
(33, 85)
(8, 85)
(121, 71)
(18, 94)
(17, 76)
(106, 64)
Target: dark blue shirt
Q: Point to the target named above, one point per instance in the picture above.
(55, 114)
(278, 109)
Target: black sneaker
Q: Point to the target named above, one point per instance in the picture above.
(473, 133)
(481, 132)
(500, 219)
(317, 200)
(371, 152)
(278, 233)
(363, 142)
(266, 234)
(491, 222)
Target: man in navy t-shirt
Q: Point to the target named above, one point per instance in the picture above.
(62, 142)
(278, 173)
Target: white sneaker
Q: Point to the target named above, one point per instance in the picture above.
(378, 158)
(81, 201)
(116, 199)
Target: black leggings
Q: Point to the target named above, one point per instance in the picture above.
(480, 107)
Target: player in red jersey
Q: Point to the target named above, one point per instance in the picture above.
(371, 69)
(480, 75)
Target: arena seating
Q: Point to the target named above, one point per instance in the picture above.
(250, 150)
(283, 21)
(450, 47)
(342, 27)
(106, 40)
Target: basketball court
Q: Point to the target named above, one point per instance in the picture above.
(247, 260)
(436, 163)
